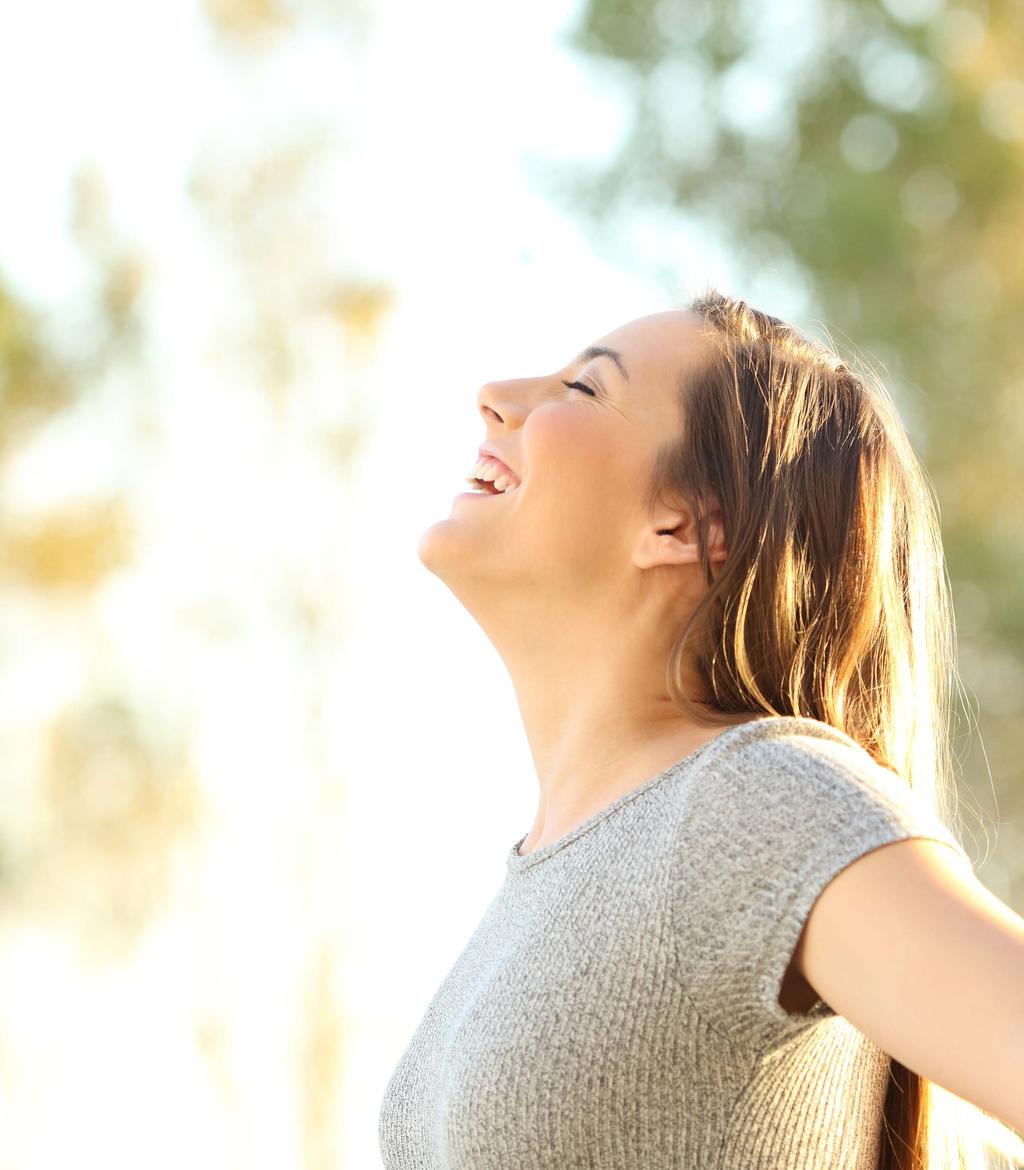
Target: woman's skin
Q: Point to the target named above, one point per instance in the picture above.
(582, 598)
(569, 578)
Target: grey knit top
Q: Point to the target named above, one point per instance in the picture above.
(616, 1007)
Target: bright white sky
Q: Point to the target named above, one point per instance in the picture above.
(492, 283)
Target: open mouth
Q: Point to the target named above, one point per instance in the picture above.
(484, 487)
(490, 476)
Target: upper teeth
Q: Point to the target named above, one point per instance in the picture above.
(492, 470)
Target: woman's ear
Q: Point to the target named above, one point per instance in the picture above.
(716, 536)
(674, 540)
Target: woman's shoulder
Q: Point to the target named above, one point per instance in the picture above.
(787, 737)
(787, 759)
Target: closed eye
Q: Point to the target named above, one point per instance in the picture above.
(580, 386)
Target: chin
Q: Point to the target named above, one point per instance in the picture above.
(425, 548)
(430, 547)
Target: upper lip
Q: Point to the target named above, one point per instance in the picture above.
(489, 453)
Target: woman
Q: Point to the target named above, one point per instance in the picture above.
(715, 577)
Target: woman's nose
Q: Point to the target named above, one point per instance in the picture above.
(507, 399)
(493, 398)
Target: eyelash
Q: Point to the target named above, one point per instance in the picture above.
(580, 386)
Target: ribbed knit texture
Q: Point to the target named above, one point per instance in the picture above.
(616, 1007)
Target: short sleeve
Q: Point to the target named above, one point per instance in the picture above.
(767, 825)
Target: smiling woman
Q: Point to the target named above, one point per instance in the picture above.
(719, 592)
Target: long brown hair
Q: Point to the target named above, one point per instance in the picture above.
(832, 602)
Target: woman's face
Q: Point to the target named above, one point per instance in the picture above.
(584, 454)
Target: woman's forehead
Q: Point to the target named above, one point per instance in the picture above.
(658, 340)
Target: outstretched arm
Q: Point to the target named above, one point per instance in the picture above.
(909, 946)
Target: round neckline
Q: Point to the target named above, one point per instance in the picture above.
(516, 861)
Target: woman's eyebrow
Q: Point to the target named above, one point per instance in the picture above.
(596, 351)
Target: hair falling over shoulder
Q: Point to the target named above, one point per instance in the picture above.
(831, 604)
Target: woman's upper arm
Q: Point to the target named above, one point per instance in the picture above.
(909, 946)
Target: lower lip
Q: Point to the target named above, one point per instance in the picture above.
(478, 495)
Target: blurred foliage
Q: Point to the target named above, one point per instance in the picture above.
(100, 834)
(120, 275)
(321, 1062)
(261, 206)
(34, 383)
(257, 26)
(251, 198)
(360, 309)
(876, 152)
(108, 801)
(107, 821)
(252, 23)
(119, 803)
(73, 548)
(269, 212)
